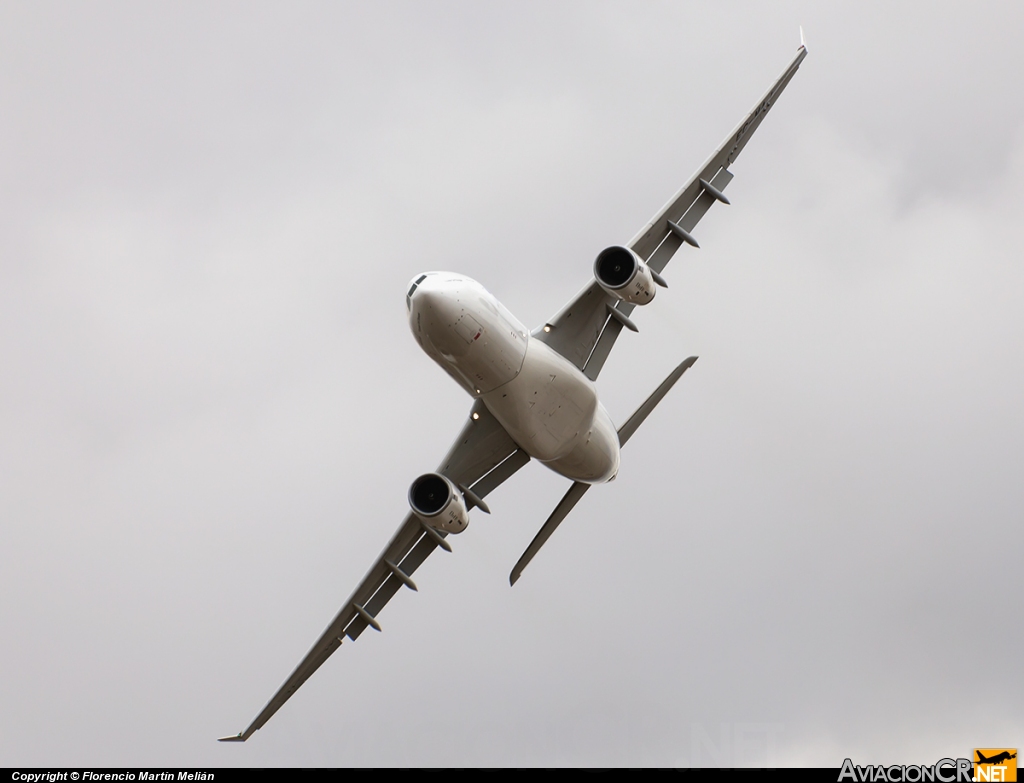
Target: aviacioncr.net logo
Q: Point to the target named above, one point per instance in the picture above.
(942, 771)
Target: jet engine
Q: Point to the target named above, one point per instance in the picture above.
(439, 503)
(621, 273)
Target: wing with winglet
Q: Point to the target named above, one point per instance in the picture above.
(482, 457)
(585, 330)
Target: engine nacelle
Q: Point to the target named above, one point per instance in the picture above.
(439, 503)
(621, 273)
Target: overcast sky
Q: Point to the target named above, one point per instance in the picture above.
(211, 406)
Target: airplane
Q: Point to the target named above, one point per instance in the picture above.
(996, 759)
(533, 393)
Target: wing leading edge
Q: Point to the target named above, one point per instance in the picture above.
(583, 331)
(480, 459)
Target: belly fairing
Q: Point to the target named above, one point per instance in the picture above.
(552, 411)
(595, 457)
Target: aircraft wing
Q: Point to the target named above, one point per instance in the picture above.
(584, 331)
(482, 457)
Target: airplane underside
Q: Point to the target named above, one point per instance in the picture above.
(544, 402)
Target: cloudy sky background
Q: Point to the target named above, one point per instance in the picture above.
(211, 406)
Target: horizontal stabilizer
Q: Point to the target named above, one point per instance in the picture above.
(634, 421)
(578, 489)
(565, 505)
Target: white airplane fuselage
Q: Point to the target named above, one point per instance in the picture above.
(544, 402)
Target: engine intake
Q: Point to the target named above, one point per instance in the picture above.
(438, 502)
(621, 273)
